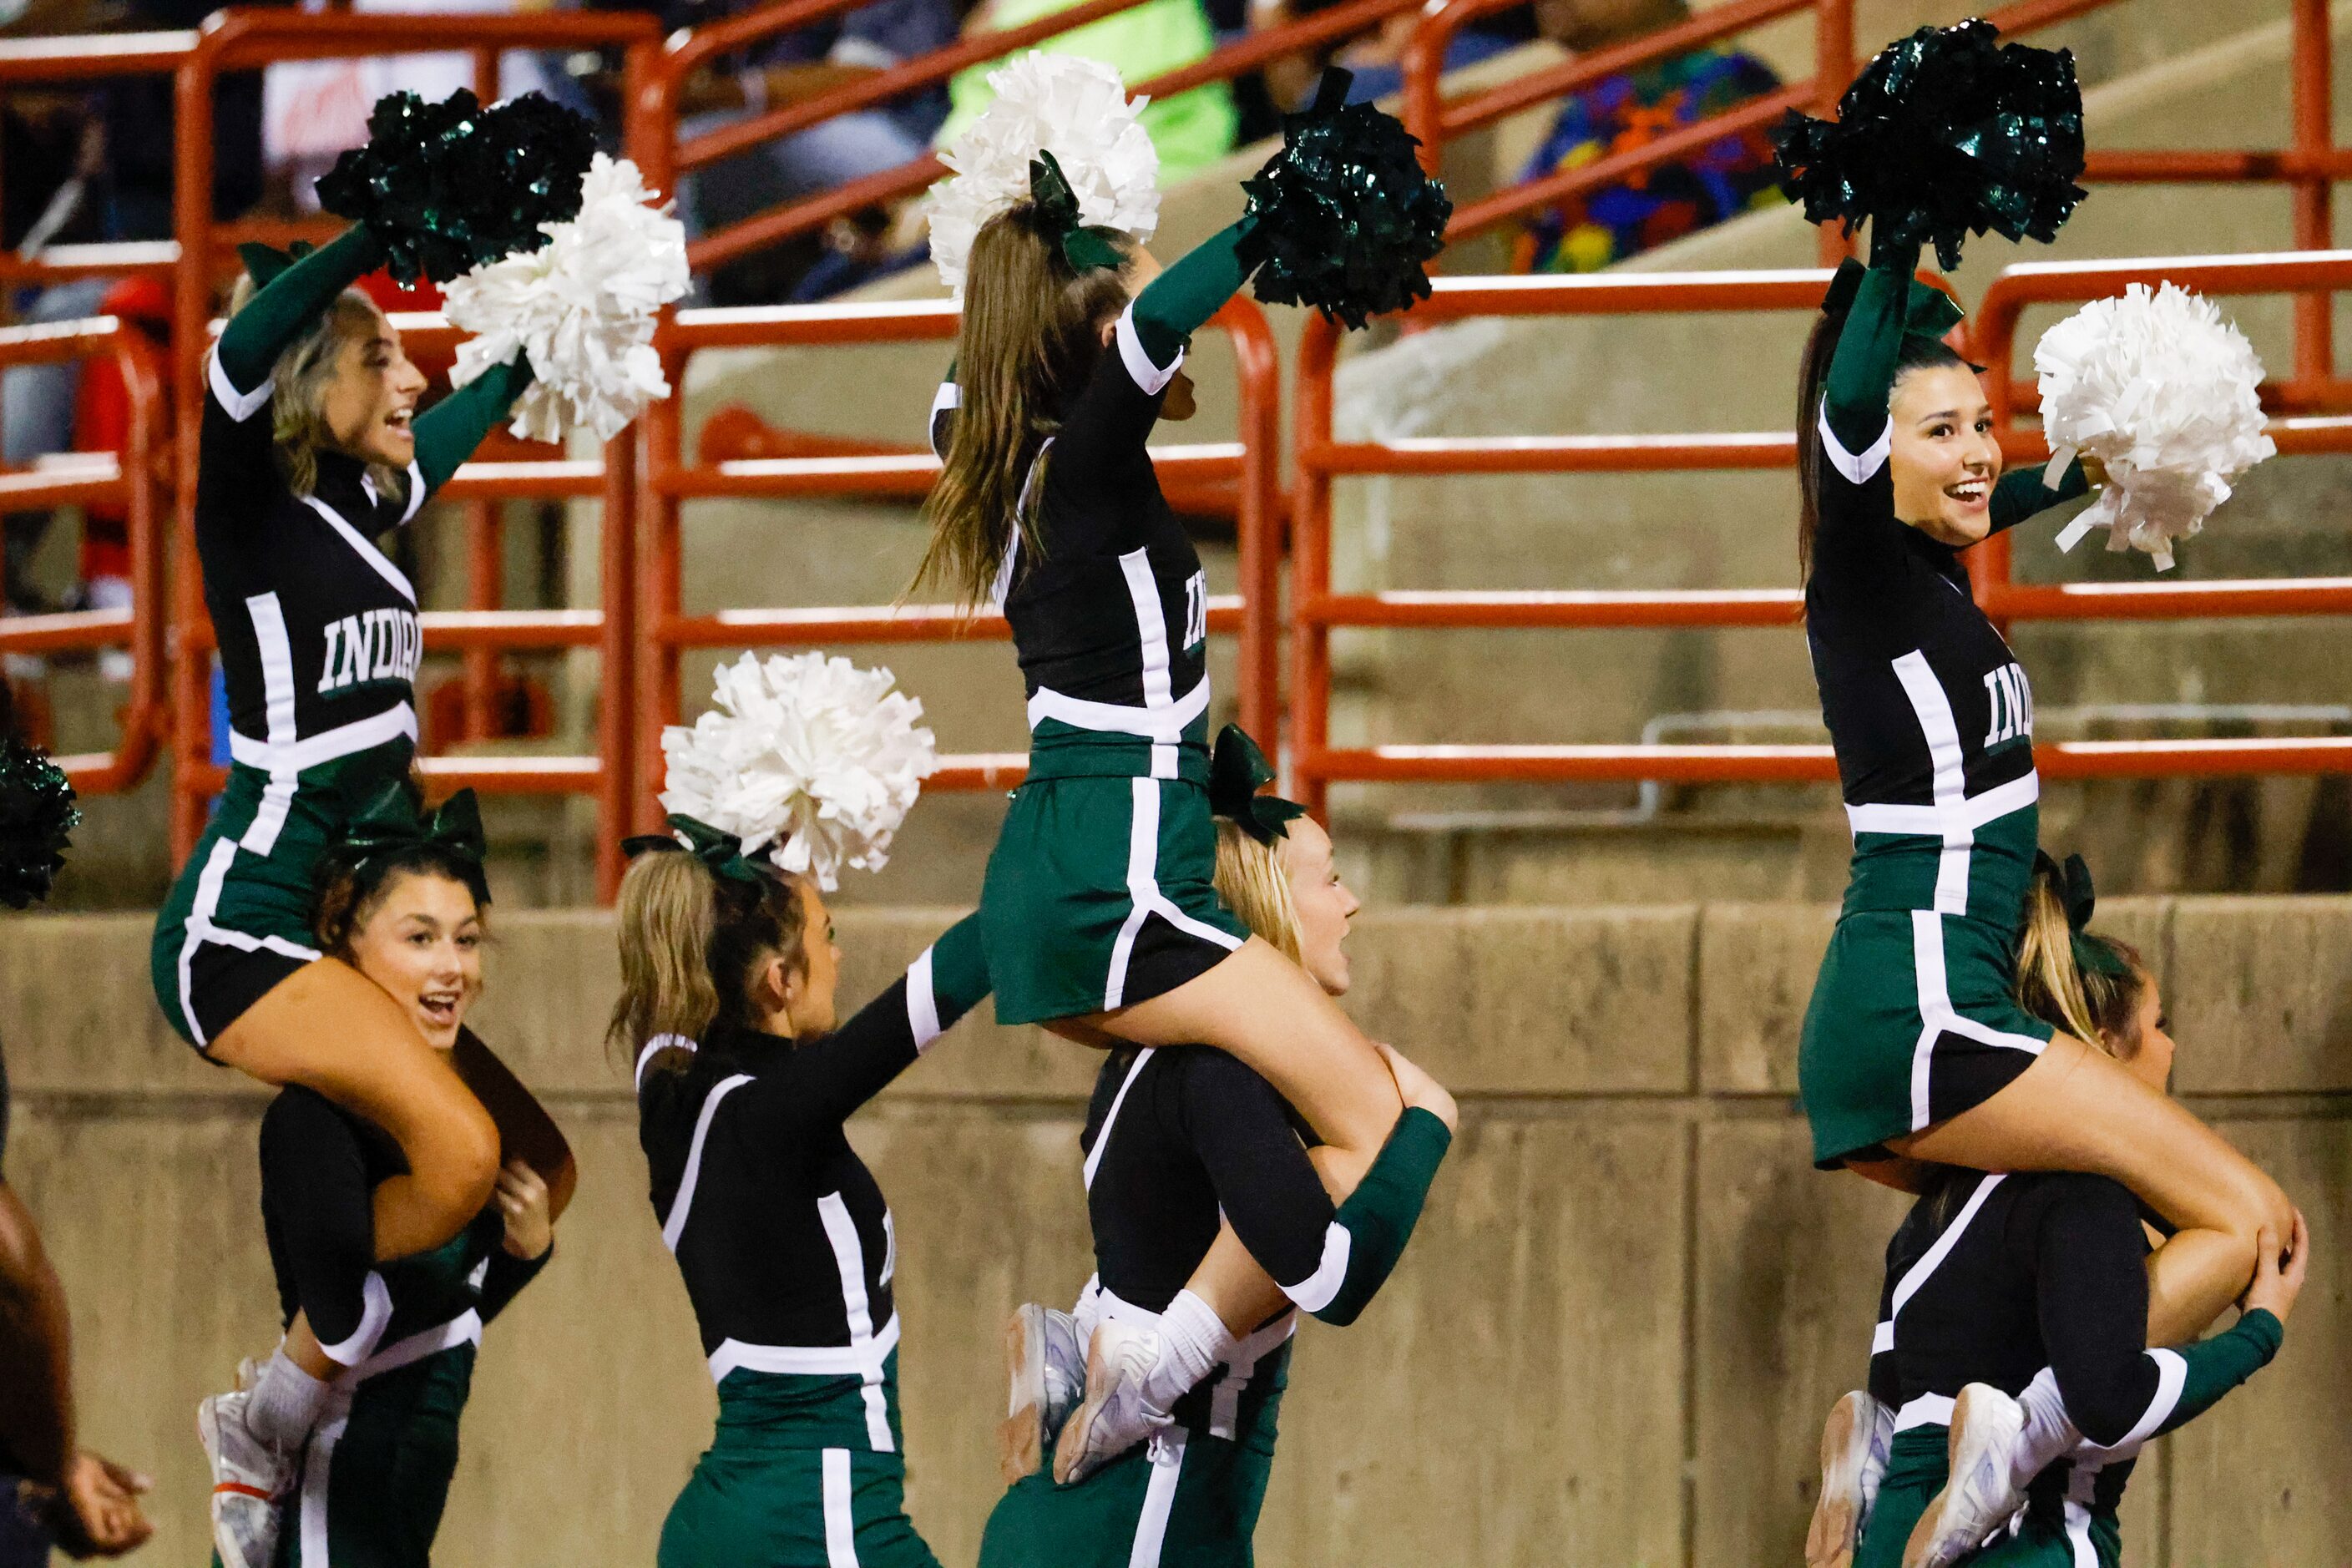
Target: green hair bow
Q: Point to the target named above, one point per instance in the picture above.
(1238, 771)
(1084, 248)
(391, 823)
(722, 852)
(263, 263)
(1927, 311)
(2092, 955)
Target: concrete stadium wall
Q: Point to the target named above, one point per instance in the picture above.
(1611, 1344)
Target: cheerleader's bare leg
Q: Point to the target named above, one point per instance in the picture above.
(2077, 1108)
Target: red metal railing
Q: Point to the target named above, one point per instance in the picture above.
(1316, 610)
(2311, 165)
(667, 157)
(131, 479)
(232, 40)
(667, 479)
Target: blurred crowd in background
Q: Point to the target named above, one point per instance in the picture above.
(94, 163)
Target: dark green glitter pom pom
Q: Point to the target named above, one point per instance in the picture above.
(445, 187)
(1343, 218)
(37, 816)
(1947, 134)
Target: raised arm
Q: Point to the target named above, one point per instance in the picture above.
(1180, 302)
(448, 433)
(1858, 397)
(284, 308)
(1329, 1262)
(2091, 1277)
(826, 1081)
(2019, 493)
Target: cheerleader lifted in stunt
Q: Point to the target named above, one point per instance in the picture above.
(1914, 1051)
(311, 448)
(1997, 1283)
(402, 902)
(1178, 1140)
(1098, 914)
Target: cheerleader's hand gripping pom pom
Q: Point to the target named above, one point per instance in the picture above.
(2164, 392)
(445, 187)
(37, 816)
(1343, 218)
(1945, 134)
(1077, 112)
(809, 757)
(581, 304)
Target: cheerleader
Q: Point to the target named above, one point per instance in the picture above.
(744, 1080)
(1180, 1142)
(1914, 1048)
(2001, 1286)
(401, 903)
(1097, 913)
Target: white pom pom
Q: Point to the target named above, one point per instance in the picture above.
(582, 306)
(1077, 109)
(2160, 389)
(812, 757)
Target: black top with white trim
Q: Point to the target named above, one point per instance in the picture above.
(1994, 1278)
(1177, 1138)
(318, 640)
(779, 1228)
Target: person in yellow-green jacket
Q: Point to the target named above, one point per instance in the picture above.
(1190, 131)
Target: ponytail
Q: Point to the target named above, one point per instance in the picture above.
(689, 943)
(1031, 333)
(1250, 880)
(2088, 985)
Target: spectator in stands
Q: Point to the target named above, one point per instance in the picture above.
(1191, 129)
(794, 69)
(1726, 178)
(1376, 58)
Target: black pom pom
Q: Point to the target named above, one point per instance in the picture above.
(445, 187)
(1344, 218)
(1945, 134)
(37, 816)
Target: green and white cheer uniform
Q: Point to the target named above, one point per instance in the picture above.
(1991, 1279)
(1177, 1139)
(319, 648)
(1913, 1018)
(787, 1251)
(1098, 893)
(375, 1473)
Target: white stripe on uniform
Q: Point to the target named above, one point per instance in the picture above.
(840, 1519)
(674, 1226)
(849, 1257)
(1943, 736)
(1938, 1017)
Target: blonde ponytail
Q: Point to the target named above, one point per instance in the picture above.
(1250, 880)
(667, 918)
(2099, 1002)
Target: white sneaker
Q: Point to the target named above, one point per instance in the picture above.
(1981, 1491)
(1853, 1459)
(250, 1478)
(1045, 1369)
(1114, 1416)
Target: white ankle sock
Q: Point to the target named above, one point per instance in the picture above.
(2049, 1431)
(1193, 1339)
(285, 1402)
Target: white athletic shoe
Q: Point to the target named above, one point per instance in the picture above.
(1853, 1458)
(1114, 1416)
(1045, 1370)
(250, 1478)
(1982, 1489)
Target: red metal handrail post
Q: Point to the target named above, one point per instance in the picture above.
(2315, 192)
(657, 584)
(1259, 667)
(192, 191)
(485, 578)
(1311, 568)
